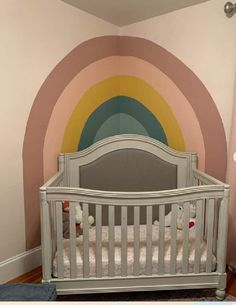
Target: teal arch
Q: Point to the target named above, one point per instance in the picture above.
(119, 123)
(119, 105)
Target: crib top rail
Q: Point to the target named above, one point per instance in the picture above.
(139, 198)
(131, 141)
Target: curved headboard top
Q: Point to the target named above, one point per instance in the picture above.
(123, 158)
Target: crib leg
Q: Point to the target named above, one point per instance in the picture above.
(220, 294)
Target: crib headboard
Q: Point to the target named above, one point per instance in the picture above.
(128, 163)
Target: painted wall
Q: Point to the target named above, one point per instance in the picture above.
(176, 66)
(35, 36)
(205, 40)
(127, 75)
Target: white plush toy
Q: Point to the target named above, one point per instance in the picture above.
(78, 214)
(180, 216)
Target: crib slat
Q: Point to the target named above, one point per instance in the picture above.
(111, 266)
(98, 240)
(198, 235)
(215, 230)
(149, 241)
(123, 241)
(85, 241)
(60, 262)
(53, 225)
(186, 237)
(210, 223)
(73, 267)
(136, 239)
(173, 238)
(161, 239)
(203, 218)
(206, 218)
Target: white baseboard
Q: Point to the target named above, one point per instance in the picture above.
(20, 264)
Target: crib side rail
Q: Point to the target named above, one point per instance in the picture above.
(46, 242)
(212, 197)
(221, 213)
(201, 178)
(55, 181)
(222, 231)
(47, 213)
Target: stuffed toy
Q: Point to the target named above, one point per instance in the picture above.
(79, 216)
(78, 219)
(180, 217)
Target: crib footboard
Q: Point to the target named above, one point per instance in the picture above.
(142, 255)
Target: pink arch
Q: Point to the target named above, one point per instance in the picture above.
(106, 68)
(69, 67)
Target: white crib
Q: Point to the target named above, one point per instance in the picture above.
(126, 182)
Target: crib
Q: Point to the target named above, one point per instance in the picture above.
(127, 182)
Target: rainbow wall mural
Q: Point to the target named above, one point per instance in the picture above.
(111, 85)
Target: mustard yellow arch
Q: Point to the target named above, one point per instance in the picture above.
(124, 86)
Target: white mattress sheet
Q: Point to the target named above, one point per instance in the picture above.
(130, 252)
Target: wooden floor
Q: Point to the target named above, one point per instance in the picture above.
(231, 283)
(35, 276)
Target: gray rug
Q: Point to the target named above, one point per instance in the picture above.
(178, 295)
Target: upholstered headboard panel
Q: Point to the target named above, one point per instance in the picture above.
(129, 170)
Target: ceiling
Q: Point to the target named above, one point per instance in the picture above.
(124, 12)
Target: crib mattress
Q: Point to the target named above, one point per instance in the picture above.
(130, 252)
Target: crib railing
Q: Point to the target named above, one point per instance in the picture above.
(211, 226)
(200, 178)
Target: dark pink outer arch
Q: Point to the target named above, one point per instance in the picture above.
(88, 53)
